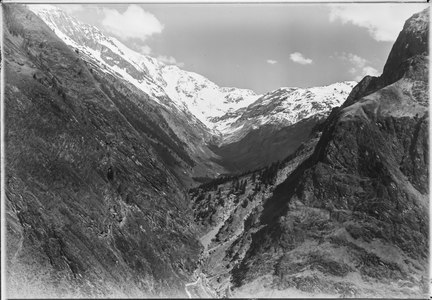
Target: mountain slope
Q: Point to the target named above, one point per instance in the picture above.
(95, 203)
(222, 127)
(282, 108)
(367, 179)
(350, 219)
(226, 211)
(228, 113)
(265, 145)
(186, 90)
(275, 125)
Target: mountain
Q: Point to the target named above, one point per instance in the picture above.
(319, 191)
(94, 179)
(186, 90)
(204, 98)
(275, 125)
(283, 107)
(229, 113)
(346, 215)
(224, 127)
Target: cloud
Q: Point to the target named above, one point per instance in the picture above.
(383, 21)
(271, 61)
(135, 22)
(169, 60)
(359, 66)
(298, 58)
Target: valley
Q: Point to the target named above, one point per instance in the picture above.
(127, 177)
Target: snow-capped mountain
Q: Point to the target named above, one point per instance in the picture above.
(226, 111)
(284, 107)
(203, 98)
(187, 90)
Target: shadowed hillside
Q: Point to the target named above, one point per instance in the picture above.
(94, 206)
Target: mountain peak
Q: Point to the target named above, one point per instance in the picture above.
(413, 40)
(418, 22)
(406, 55)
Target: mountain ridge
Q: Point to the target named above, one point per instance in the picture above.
(161, 79)
(227, 117)
(216, 107)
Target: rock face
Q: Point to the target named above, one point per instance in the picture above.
(94, 204)
(350, 219)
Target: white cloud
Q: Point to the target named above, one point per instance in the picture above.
(169, 60)
(135, 22)
(297, 57)
(359, 66)
(271, 61)
(383, 21)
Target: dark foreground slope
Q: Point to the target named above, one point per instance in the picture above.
(352, 218)
(93, 207)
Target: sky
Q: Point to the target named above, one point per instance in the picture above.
(258, 46)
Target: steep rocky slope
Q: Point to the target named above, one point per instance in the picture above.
(225, 210)
(145, 77)
(352, 218)
(94, 194)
